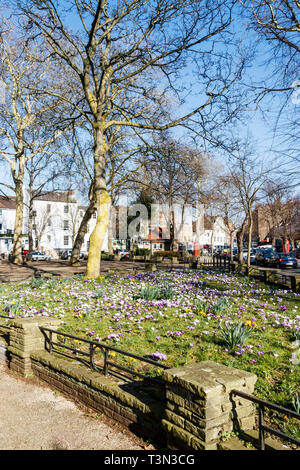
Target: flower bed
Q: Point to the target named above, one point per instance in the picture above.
(178, 317)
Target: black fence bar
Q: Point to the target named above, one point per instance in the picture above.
(106, 349)
(262, 404)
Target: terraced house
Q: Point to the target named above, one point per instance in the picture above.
(53, 218)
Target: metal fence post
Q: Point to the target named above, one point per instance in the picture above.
(261, 424)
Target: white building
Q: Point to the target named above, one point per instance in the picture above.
(56, 218)
(213, 233)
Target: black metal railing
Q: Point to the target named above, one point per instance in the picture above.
(90, 354)
(262, 427)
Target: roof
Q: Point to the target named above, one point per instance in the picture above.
(7, 202)
(54, 196)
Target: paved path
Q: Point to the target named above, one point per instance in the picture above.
(11, 273)
(33, 417)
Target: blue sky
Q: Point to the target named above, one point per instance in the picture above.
(254, 123)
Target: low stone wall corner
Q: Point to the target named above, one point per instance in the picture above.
(199, 408)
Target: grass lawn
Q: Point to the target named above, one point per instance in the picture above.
(181, 317)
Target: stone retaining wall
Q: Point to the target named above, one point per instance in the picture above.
(189, 412)
(199, 409)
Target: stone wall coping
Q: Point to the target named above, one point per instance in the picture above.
(208, 376)
(35, 322)
(96, 380)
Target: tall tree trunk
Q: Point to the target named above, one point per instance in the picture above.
(231, 246)
(30, 213)
(240, 241)
(79, 239)
(110, 244)
(18, 228)
(103, 202)
(98, 235)
(30, 228)
(249, 238)
(172, 224)
(172, 230)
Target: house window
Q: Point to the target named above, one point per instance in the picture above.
(49, 238)
(0, 211)
(94, 215)
(81, 213)
(0, 226)
(48, 208)
(66, 209)
(66, 241)
(49, 223)
(66, 225)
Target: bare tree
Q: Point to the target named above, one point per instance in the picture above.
(21, 114)
(171, 177)
(122, 163)
(249, 175)
(127, 56)
(277, 24)
(229, 208)
(48, 171)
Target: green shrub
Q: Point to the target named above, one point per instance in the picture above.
(155, 293)
(142, 252)
(296, 403)
(36, 282)
(148, 293)
(220, 306)
(13, 307)
(98, 294)
(297, 335)
(166, 293)
(201, 305)
(167, 254)
(234, 334)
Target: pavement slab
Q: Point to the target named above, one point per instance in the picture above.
(34, 417)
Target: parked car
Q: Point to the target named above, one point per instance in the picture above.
(267, 257)
(252, 256)
(235, 254)
(66, 254)
(37, 256)
(287, 260)
(124, 254)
